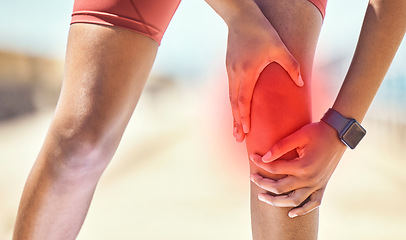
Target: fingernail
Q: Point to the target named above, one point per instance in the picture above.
(267, 156)
(300, 80)
(245, 128)
(292, 215)
(262, 199)
(251, 156)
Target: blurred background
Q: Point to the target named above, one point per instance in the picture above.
(178, 173)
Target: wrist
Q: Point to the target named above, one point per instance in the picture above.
(349, 131)
(236, 12)
(348, 109)
(329, 130)
(248, 14)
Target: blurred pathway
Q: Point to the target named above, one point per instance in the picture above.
(179, 175)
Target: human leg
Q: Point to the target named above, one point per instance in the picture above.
(279, 108)
(106, 69)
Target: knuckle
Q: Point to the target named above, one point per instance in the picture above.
(306, 170)
(294, 64)
(278, 50)
(228, 63)
(242, 99)
(259, 183)
(231, 66)
(243, 117)
(233, 103)
(272, 168)
(245, 66)
(241, 67)
(296, 202)
(231, 98)
(277, 190)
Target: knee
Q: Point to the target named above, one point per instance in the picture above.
(276, 93)
(278, 108)
(80, 144)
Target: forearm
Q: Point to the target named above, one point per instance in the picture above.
(233, 11)
(382, 32)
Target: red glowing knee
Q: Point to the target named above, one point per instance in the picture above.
(278, 108)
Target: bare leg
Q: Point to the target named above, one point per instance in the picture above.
(280, 108)
(106, 69)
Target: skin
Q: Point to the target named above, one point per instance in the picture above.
(279, 108)
(105, 72)
(317, 144)
(94, 109)
(253, 43)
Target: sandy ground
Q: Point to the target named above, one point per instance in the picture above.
(178, 174)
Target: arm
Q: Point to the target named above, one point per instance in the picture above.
(317, 144)
(252, 44)
(382, 32)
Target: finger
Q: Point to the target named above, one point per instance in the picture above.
(292, 67)
(278, 166)
(281, 186)
(235, 130)
(293, 199)
(233, 91)
(313, 203)
(291, 142)
(255, 157)
(240, 135)
(247, 85)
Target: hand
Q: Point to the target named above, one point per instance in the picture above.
(319, 151)
(252, 44)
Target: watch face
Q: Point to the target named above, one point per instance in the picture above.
(353, 134)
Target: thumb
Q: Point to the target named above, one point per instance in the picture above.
(285, 145)
(291, 66)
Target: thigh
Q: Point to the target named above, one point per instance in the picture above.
(105, 72)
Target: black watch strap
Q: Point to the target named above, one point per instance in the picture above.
(335, 119)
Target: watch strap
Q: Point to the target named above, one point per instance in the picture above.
(335, 119)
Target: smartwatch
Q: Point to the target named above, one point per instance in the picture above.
(350, 132)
